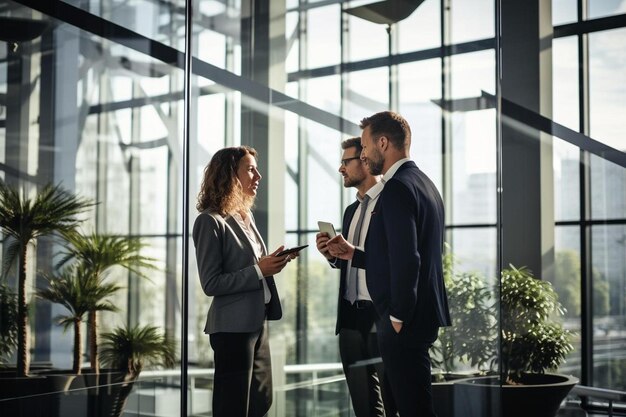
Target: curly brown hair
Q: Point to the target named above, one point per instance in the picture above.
(221, 191)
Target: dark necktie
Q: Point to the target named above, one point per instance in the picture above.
(353, 278)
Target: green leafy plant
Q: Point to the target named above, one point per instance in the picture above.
(472, 337)
(76, 290)
(53, 210)
(531, 340)
(8, 322)
(129, 349)
(98, 253)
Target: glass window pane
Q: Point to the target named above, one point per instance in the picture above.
(101, 120)
(565, 86)
(472, 20)
(148, 18)
(564, 11)
(475, 250)
(422, 29)
(292, 139)
(366, 39)
(608, 190)
(212, 47)
(322, 177)
(609, 312)
(323, 93)
(420, 84)
(602, 8)
(567, 284)
(566, 181)
(472, 74)
(367, 93)
(323, 37)
(473, 167)
(292, 42)
(607, 85)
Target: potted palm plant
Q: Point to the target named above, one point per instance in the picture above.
(22, 220)
(98, 253)
(76, 289)
(128, 350)
(532, 342)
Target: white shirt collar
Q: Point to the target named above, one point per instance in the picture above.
(392, 169)
(373, 192)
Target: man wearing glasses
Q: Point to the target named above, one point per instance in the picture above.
(356, 315)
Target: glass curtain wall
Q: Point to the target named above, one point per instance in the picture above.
(590, 186)
(88, 103)
(92, 99)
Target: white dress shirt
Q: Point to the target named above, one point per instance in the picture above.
(255, 241)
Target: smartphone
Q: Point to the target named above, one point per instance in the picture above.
(291, 250)
(326, 227)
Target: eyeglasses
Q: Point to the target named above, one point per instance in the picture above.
(344, 162)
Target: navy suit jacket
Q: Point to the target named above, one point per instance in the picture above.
(403, 254)
(342, 320)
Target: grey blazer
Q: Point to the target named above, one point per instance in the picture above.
(226, 262)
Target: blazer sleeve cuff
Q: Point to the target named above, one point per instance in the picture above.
(358, 259)
(258, 271)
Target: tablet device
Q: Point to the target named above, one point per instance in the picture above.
(291, 250)
(326, 227)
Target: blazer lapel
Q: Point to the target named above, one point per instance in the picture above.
(259, 238)
(241, 234)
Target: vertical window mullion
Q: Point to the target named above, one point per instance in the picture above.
(585, 205)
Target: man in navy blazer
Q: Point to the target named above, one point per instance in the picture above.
(403, 259)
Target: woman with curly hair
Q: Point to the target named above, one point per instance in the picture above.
(235, 270)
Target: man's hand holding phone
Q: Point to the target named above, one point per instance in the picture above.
(327, 232)
(340, 248)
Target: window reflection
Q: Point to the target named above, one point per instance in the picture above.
(607, 69)
(565, 82)
(609, 282)
(473, 167)
(566, 282)
(566, 181)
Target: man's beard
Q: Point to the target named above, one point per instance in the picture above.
(352, 182)
(375, 166)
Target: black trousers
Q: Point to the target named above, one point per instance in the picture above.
(369, 391)
(407, 367)
(242, 386)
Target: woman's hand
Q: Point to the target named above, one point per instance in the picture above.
(272, 264)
